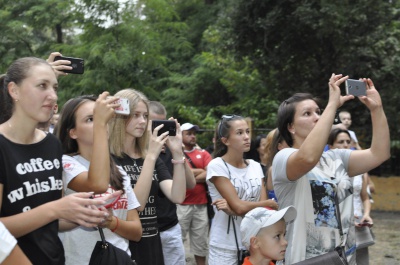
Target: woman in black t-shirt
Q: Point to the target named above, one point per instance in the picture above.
(30, 165)
(129, 137)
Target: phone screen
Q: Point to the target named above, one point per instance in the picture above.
(169, 126)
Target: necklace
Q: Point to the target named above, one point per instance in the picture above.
(134, 163)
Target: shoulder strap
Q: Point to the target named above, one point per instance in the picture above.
(227, 168)
(338, 215)
(189, 159)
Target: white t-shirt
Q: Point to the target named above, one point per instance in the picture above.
(248, 184)
(315, 229)
(7, 242)
(358, 204)
(79, 242)
(353, 136)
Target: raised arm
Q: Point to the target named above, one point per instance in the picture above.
(176, 190)
(310, 151)
(97, 178)
(364, 160)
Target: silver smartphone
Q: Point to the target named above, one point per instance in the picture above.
(356, 88)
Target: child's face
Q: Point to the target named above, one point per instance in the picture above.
(345, 118)
(271, 241)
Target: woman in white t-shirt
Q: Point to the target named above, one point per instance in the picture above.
(236, 186)
(87, 164)
(310, 179)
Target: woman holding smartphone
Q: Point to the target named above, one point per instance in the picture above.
(30, 165)
(310, 179)
(139, 157)
(82, 130)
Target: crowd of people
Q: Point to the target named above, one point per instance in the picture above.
(66, 174)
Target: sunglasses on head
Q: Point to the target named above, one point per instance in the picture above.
(225, 118)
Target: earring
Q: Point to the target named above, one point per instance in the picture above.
(16, 100)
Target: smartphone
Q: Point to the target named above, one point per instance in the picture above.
(124, 108)
(365, 224)
(356, 88)
(77, 64)
(169, 126)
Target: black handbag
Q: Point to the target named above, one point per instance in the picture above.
(335, 257)
(105, 253)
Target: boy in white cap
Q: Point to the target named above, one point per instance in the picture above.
(263, 234)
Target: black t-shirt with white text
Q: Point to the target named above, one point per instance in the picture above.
(148, 250)
(31, 175)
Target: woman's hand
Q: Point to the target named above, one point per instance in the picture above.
(81, 209)
(174, 143)
(272, 204)
(372, 100)
(60, 65)
(104, 108)
(222, 205)
(335, 97)
(156, 143)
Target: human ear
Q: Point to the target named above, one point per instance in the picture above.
(13, 91)
(72, 134)
(290, 128)
(253, 242)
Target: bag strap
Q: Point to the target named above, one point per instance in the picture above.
(189, 159)
(227, 168)
(103, 239)
(339, 217)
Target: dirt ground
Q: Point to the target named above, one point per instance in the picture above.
(386, 250)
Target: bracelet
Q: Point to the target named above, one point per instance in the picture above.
(178, 161)
(113, 230)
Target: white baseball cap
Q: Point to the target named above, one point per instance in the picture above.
(261, 217)
(188, 126)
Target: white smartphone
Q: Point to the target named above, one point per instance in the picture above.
(124, 108)
(356, 88)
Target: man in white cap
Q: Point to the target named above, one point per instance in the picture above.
(263, 234)
(192, 213)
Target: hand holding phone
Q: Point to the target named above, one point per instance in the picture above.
(169, 126)
(77, 64)
(356, 88)
(124, 106)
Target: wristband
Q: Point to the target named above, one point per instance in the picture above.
(115, 228)
(178, 161)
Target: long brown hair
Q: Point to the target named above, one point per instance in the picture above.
(67, 122)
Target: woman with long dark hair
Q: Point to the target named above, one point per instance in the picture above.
(311, 180)
(236, 186)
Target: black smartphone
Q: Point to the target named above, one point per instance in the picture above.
(77, 64)
(356, 88)
(169, 126)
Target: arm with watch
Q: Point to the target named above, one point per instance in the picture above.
(175, 189)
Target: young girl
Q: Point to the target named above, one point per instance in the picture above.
(30, 165)
(128, 140)
(309, 179)
(236, 186)
(83, 133)
(341, 139)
